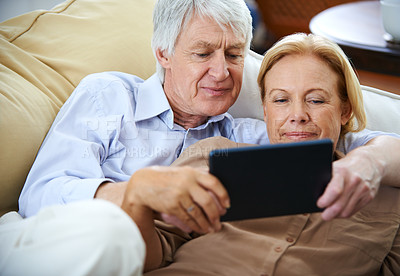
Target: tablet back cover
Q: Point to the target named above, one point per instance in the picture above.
(273, 180)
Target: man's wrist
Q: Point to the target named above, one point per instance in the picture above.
(111, 191)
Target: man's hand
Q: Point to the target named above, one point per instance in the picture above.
(355, 181)
(181, 192)
(170, 219)
(193, 197)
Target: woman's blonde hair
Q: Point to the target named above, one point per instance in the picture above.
(349, 86)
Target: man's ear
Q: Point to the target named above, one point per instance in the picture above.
(163, 58)
(346, 112)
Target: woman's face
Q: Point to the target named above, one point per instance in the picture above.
(302, 101)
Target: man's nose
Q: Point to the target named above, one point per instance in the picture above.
(298, 113)
(219, 67)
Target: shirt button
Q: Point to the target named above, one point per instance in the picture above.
(289, 240)
(278, 249)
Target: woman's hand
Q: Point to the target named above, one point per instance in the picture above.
(355, 181)
(185, 195)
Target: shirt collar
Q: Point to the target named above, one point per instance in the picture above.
(215, 119)
(168, 119)
(151, 100)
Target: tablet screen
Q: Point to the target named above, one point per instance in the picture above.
(273, 180)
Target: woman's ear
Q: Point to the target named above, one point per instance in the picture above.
(346, 112)
(162, 58)
(265, 112)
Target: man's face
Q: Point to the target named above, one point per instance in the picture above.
(204, 76)
(302, 101)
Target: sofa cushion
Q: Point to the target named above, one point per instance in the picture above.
(45, 54)
(382, 109)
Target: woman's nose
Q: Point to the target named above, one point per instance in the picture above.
(219, 67)
(298, 113)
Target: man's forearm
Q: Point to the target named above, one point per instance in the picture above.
(386, 151)
(143, 217)
(357, 176)
(112, 191)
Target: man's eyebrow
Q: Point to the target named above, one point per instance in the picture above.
(208, 45)
(203, 44)
(237, 46)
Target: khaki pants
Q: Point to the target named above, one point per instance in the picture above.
(84, 238)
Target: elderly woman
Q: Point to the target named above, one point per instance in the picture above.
(309, 91)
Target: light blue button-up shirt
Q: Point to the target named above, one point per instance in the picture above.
(112, 125)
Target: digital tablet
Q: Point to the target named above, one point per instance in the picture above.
(273, 180)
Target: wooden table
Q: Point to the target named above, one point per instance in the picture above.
(357, 27)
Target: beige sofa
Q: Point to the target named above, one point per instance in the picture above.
(45, 54)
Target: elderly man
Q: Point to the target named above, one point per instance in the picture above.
(115, 124)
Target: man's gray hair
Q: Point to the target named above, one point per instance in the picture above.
(170, 17)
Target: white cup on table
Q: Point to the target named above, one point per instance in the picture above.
(390, 10)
